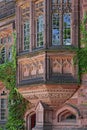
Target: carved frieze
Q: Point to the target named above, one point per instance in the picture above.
(31, 68)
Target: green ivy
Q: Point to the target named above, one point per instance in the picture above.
(17, 105)
(81, 57)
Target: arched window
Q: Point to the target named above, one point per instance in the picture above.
(30, 121)
(66, 116)
(61, 22)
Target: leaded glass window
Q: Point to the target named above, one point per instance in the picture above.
(10, 54)
(39, 9)
(61, 22)
(55, 29)
(26, 25)
(66, 29)
(3, 108)
(9, 39)
(40, 31)
(26, 35)
(3, 55)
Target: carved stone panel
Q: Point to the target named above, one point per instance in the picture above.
(56, 65)
(62, 65)
(30, 68)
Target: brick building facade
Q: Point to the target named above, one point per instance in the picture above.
(48, 31)
(7, 27)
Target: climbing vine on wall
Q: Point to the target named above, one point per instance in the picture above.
(82, 53)
(17, 105)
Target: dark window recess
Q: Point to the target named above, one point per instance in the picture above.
(14, 25)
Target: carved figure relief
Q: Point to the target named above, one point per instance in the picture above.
(31, 69)
(26, 71)
(67, 65)
(40, 68)
(56, 65)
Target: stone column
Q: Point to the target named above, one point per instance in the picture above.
(75, 22)
(47, 23)
(43, 118)
(17, 27)
(61, 24)
(31, 25)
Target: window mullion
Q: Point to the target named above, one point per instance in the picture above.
(61, 24)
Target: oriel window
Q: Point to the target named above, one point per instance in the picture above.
(61, 22)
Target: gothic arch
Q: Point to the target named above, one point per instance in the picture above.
(29, 115)
(67, 114)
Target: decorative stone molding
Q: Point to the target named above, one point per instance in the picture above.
(54, 95)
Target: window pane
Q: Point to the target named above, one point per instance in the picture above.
(3, 103)
(55, 1)
(9, 39)
(3, 114)
(67, 29)
(40, 31)
(61, 22)
(26, 35)
(55, 29)
(3, 109)
(10, 54)
(2, 56)
(39, 17)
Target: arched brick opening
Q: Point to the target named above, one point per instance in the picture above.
(30, 120)
(33, 120)
(66, 116)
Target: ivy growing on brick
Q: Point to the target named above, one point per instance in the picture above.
(81, 57)
(17, 105)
